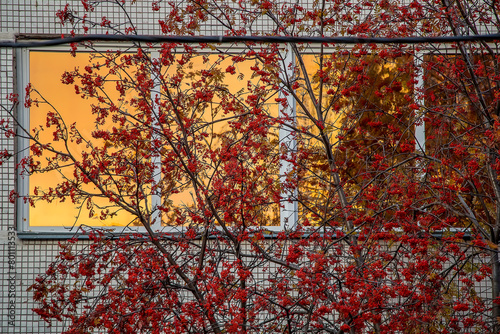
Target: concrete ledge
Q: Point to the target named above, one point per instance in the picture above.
(7, 36)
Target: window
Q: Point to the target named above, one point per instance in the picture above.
(364, 130)
(444, 77)
(202, 105)
(461, 104)
(54, 109)
(224, 98)
(101, 106)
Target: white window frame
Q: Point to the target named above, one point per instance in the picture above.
(288, 208)
(418, 58)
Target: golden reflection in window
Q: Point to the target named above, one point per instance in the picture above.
(452, 101)
(46, 69)
(455, 122)
(214, 118)
(365, 111)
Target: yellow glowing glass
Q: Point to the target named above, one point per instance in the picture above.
(355, 90)
(235, 84)
(46, 69)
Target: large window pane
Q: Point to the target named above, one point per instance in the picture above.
(46, 70)
(363, 109)
(214, 94)
(461, 103)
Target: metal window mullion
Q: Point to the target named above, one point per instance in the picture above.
(420, 101)
(156, 158)
(289, 205)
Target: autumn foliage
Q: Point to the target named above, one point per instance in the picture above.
(393, 234)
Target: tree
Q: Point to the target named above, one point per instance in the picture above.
(393, 234)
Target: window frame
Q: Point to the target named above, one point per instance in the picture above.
(289, 206)
(22, 144)
(288, 209)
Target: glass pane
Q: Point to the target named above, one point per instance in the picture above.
(452, 100)
(455, 134)
(46, 70)
(215, 129)
(364, 112)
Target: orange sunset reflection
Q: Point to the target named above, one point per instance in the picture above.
(46, 68)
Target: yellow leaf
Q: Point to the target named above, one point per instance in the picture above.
(492, 245)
